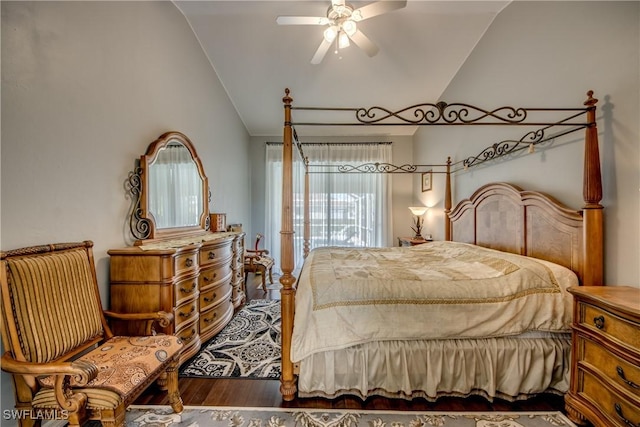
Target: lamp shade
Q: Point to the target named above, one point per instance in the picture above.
(331, 33)
(418, 210)
(343, 40)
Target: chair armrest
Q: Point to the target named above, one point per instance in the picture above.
(82, 371)
(162, 318)
(259, 252)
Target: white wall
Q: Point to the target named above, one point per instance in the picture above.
(549, 54)
(86, 86)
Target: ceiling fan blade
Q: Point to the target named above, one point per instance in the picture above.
(377, 8)
(321, 52)
(364, 43)
(302, 20)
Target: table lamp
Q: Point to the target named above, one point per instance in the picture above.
(418, 211)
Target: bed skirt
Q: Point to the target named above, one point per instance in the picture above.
(510, 368)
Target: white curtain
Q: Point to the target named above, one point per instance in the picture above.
(346, 209)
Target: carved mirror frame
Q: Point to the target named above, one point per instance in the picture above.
(143, 224)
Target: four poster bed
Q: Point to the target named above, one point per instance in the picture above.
(484, 312)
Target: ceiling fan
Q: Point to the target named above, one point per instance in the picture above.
(341, 22)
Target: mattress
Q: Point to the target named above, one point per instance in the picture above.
(440, 290)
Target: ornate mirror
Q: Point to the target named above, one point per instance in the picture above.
(172, 190)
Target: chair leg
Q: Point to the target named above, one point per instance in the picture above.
(264, 280)
(172, 388)
(270, 276)
(113, 417)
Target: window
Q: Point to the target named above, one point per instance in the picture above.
(346, 209)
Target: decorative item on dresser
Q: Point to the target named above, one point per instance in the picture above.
(218, 221)
(177, 264)
(605, 364)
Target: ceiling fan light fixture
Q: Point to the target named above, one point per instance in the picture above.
(349, 27)
(342, 29)
(330, 33)
(343, 40)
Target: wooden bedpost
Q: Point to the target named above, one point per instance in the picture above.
(287, 293)
(307, 218)
(447, 202)
(593, 256)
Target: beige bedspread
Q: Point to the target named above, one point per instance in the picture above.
(348, 296)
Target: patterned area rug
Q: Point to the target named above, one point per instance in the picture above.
(201, 416)
(276, 285)
(248, 347)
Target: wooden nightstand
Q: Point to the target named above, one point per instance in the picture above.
(605, 359)
(410, 241)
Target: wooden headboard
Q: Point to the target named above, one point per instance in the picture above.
(504, 217)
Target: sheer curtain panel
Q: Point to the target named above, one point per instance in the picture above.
(346, 209)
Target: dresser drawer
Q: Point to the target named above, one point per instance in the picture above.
(188, 334)
(617, 408)
(185, 289)
(610, 326)
(215, 319)
(217, 253)
(215, 276)
(185, 312)
(186, 262)
(618, 370)
(214, 296)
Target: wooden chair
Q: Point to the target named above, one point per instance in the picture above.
(257, 261)
(64, 360)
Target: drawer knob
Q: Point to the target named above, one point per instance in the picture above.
(213, 298)
(212, 255)
(187, 291)
(618, 409)
(625, 380)
(190, 337)
(188, 262)
(599, 322)
(182, 314)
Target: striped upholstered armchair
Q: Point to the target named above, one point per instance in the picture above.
(64, 360)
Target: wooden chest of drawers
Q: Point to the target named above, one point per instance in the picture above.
(195, 279)
(605, 366)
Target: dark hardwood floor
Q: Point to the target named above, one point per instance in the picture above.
(265, 393)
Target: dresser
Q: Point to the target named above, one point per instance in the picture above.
(605, 360)
(197, 278)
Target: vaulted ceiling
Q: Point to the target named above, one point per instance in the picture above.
(421, 48)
